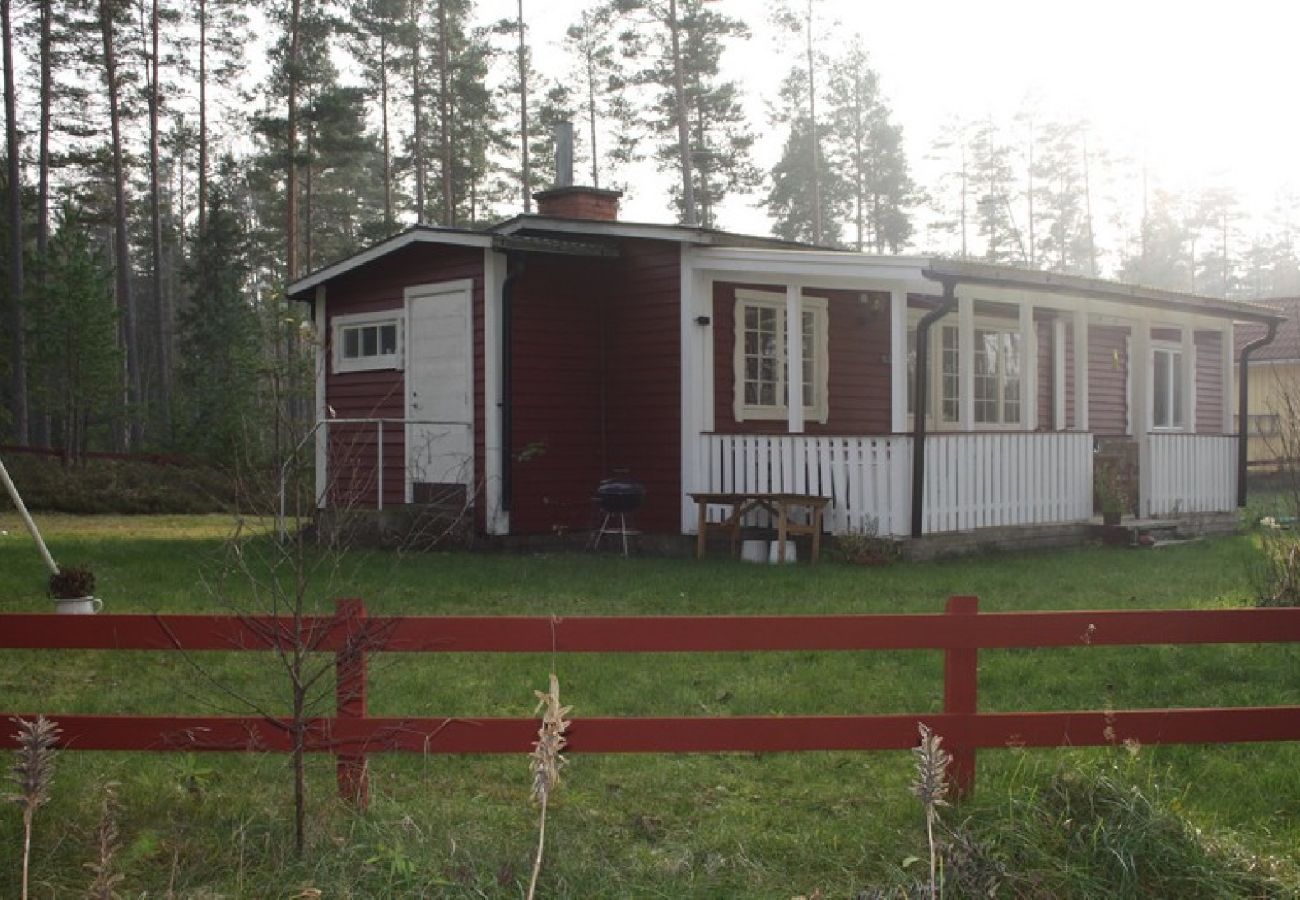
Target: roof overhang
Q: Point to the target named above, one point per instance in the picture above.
(417, 234)
(988, 275)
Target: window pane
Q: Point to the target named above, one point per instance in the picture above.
(1160, 389)
(370, 341)
(351, 343)
(1011, 378)
(388, 339)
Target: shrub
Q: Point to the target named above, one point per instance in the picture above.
(1277, 576)
(865, 547)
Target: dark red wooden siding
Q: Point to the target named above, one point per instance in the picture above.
(1107, 379)
(382, 394)
(1046, 372)
(1209, 382)
(556, 400)
(597, 385)
(859, 374)
(643, 402)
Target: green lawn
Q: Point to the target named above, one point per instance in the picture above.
(646, 826)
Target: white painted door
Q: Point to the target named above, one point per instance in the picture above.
(439, 386)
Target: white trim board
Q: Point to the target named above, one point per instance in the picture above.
(416, 235)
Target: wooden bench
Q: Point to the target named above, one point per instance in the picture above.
(779, 505)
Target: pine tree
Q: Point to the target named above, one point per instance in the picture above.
(374, 28)
(222, 31)
(803, 206)
(343, 164)
(110, 12)
(865, 149)
(951, 200)
(1162, 257)
(602, 78)
(76, 360)
(801, 20)
(696, 117)
(993, 175)
(15, 248)
(219, 365)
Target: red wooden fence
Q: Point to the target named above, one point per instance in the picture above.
(960, 633)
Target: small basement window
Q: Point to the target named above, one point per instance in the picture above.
(367, 341)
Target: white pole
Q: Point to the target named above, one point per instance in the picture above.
(27, 520)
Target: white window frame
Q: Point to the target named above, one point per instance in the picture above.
(1003, 327)
(1176, 386)
(934, 406)
(341, 324)
(819, 410)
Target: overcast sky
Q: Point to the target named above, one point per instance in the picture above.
(1207, 90)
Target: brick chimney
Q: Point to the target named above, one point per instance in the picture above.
(575, 202)
(565, 200)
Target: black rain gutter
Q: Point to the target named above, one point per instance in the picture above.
(922, 395)
(514, 268)
(1243, 385)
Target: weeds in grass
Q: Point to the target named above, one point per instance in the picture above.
(546, 763)
(107, 845)
(1277, 575)
(32, 774)
(1092, 829)
(931, 788)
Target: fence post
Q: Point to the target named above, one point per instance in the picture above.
(350, 698)
(961, 698)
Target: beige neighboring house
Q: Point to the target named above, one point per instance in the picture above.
(1273, 387)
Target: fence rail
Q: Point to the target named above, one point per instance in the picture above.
(961, 632)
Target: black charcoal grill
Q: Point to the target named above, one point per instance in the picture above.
(617, 497)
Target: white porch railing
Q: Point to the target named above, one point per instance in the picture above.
(1189, 473)
(971, 481)
(982, 480)
(867, 478)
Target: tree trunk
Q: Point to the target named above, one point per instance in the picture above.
(812, 131)
(383, 113)
(417, 128)
(203, 117)
(121, 243)
(15, 191)
(591, 106)
(291, 148)
(43, 192)
(162, 323)
(444, 102)
(683, 133)
(307, 192)
(526, 180)
(1087, 200)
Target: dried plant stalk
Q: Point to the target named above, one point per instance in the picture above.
(545, 762)
(931, 788)
(32, 774)
(107, 847)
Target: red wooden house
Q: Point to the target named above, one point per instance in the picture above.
(519, 365)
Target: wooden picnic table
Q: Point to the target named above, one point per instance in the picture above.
(779, 505)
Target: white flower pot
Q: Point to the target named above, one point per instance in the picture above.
(78, 606)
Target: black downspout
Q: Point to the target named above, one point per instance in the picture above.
(1243, 429)
(514, 268)
(922, 397)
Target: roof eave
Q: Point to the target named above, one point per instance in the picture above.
(1095, 288)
